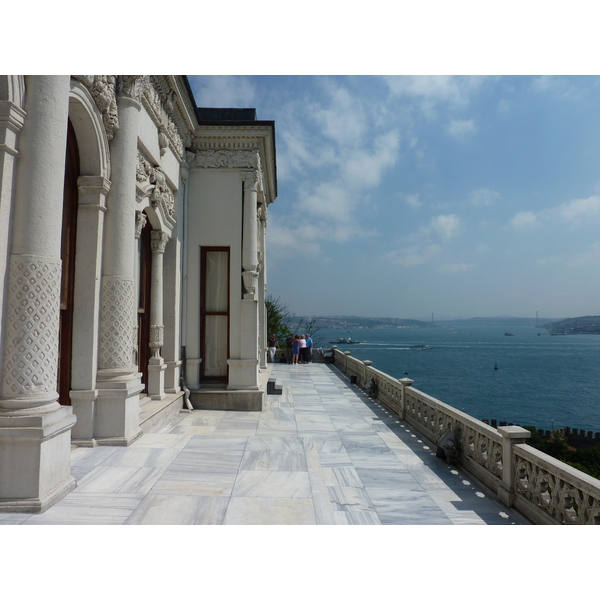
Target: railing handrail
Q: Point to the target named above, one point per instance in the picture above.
(544, 489)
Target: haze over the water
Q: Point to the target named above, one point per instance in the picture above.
(406, 195)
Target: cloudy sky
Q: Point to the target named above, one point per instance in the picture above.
(406, 195)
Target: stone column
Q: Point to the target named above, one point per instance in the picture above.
(262, 283)
(244, 372)
(511, 434)
(35, 431)
(118, 382)
(405, 383)
(157, 366)
(88, 256)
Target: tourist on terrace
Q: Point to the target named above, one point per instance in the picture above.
(289, 342)
(302, 349)
(308, 351)
(296, 350)
(273, 345)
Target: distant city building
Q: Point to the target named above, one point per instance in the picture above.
(132, 258)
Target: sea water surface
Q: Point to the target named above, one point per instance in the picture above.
(542, 380)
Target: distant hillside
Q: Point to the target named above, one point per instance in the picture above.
(498, 322)
(349, 322)
(575, 325)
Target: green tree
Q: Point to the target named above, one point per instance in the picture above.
(278, 319)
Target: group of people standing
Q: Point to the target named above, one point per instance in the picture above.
(298, 349)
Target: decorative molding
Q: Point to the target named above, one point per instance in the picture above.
(140, 222)
(250, 279)
(130, 86)
(116, 324)
(103, 92)
(32, 325)
(159, 99)
(152, 182)
(157, 336)
(228, 159)
(158, 240)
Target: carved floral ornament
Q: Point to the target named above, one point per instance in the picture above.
(151, 181)
(160, 104)
(228, 159)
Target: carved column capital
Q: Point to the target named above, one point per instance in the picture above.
(159, 241)
(128, 86)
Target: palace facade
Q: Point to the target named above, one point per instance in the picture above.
(132, 266)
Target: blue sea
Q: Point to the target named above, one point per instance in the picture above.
(542, 380)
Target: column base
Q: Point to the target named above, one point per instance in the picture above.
(243, 374)
(117, 421)
(156, 378)
(35, 460)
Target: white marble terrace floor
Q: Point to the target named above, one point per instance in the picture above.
(322, 453)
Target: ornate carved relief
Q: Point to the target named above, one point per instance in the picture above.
(158, 240)
(140, 221)
(160, 102)
(102, 89)
(250, 279)
(228, 159)
(116, 326)
(157, 337)
(152, 182)
(32, 322)
(129, 86)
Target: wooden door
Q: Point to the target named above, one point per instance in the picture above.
(69, 232)
(145, 282)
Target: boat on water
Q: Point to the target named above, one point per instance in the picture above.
(345, 340)
(511, 334)
(420, 347)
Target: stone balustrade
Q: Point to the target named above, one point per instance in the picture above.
(544, 489)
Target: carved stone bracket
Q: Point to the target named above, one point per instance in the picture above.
(250, 279)
(151, 181)
(140, 222)
(102, 90)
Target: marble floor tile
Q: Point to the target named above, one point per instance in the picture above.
(270, 511)
(327, 443)
(142, 457)
(217, 443)
(118, 480)
(171, 509)
(275, 444)
(209, 462)
(357, 518)
(162, 440)
(89, 509)
(350, 498)
(272, 484)
(13, 518)
(388, 478)
(335, 459)
(340, 476)
(191, 481)
(377, 461)
(273, 461)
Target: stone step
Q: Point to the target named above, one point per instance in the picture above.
(274, 387)
(155, 413)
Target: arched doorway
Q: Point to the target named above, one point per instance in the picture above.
(144, 293)
(68, 244)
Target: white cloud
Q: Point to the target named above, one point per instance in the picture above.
(456, 268)
(483, 197)
(523, 219)
(577, 210)
(364, 168)
(446, 226)
(413, 200)
(223, 91)
(461, 129)
(451, 89)
(413, 256)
